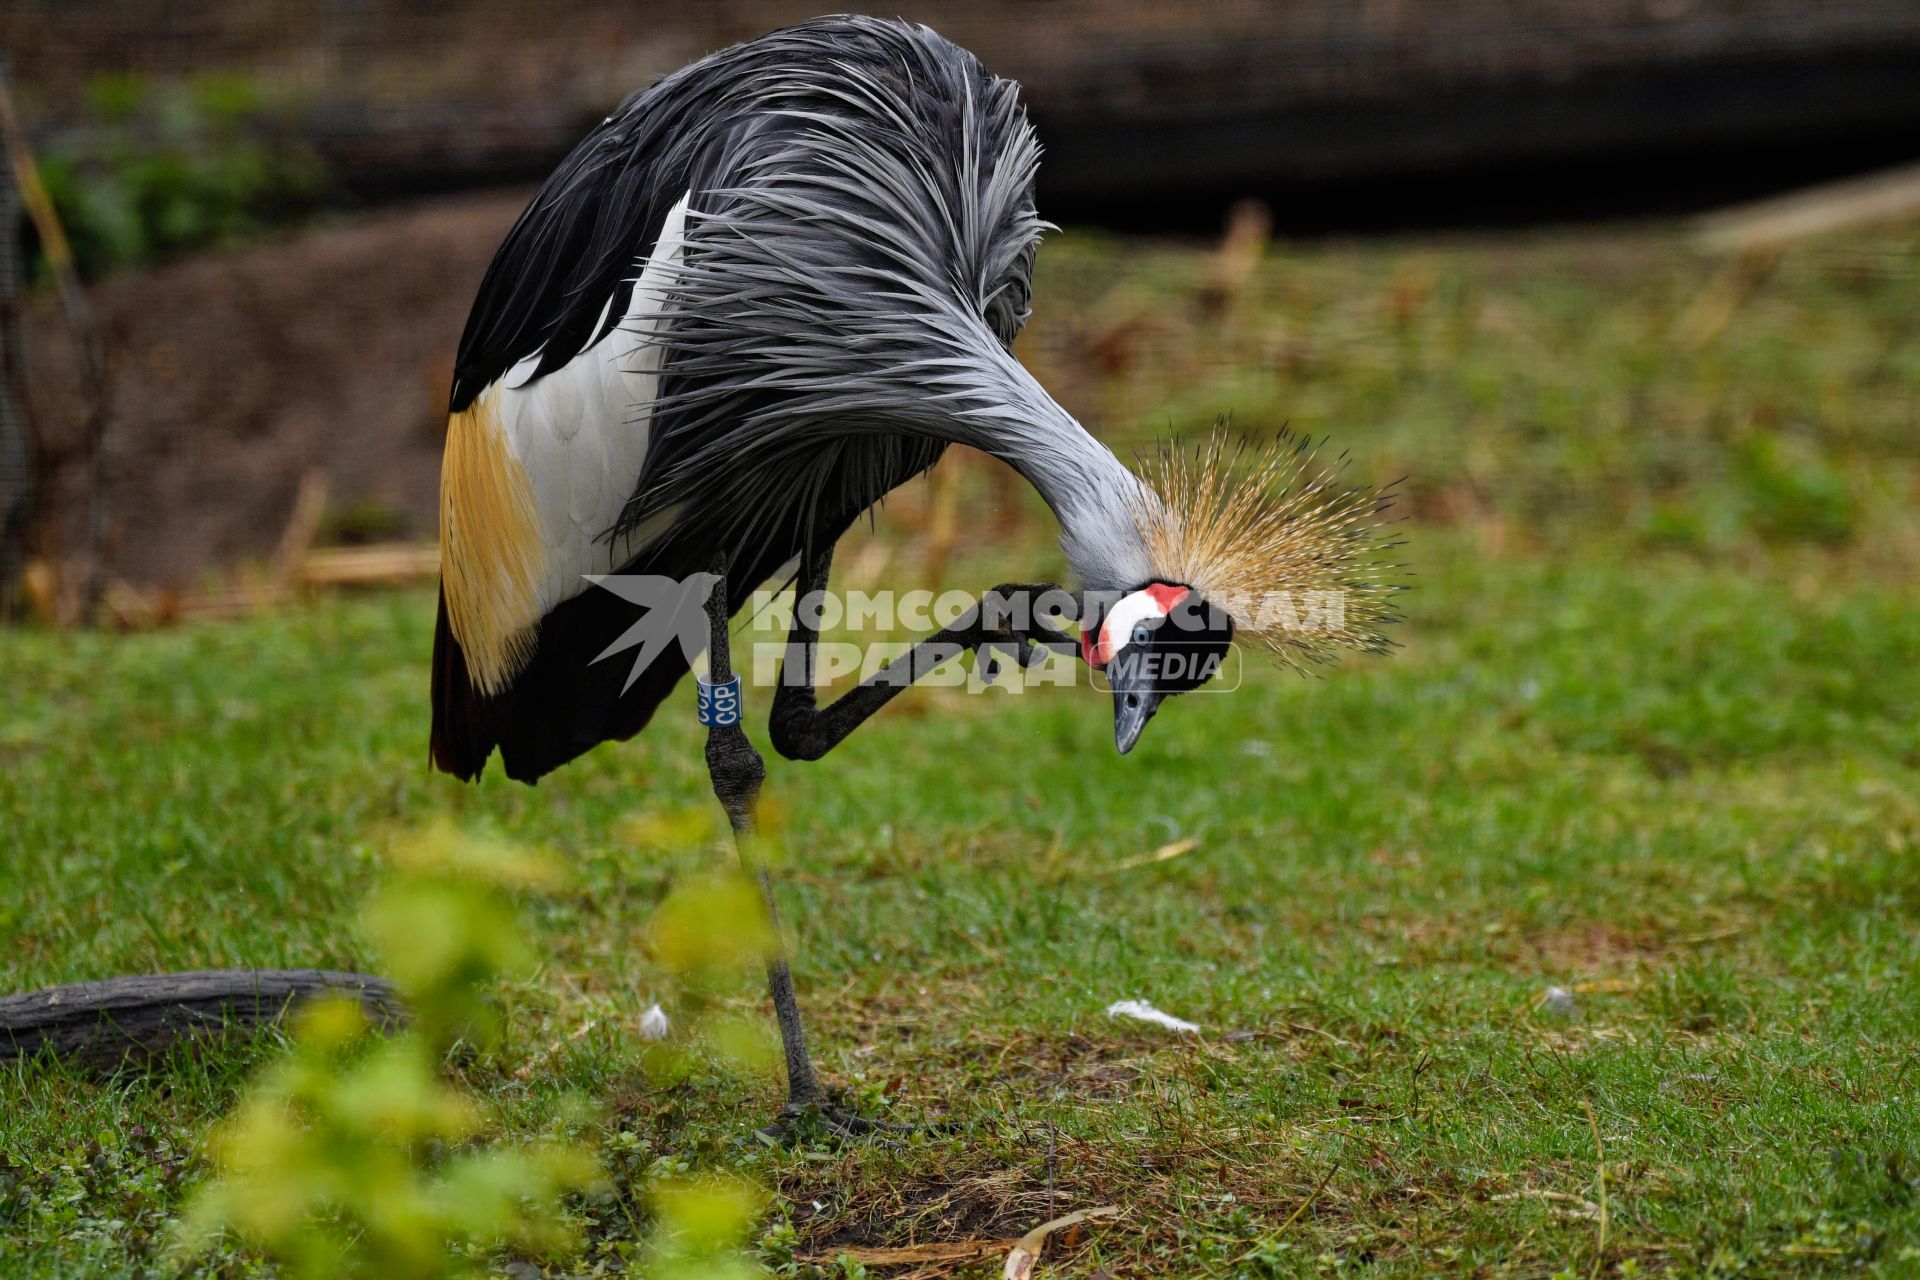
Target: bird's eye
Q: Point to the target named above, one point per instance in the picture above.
(1142, 634)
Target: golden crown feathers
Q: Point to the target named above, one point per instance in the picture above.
(1268, 532)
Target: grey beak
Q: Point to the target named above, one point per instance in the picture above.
(1132, 708)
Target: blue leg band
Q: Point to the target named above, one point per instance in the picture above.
(719, 704)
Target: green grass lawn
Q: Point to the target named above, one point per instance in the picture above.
(1660, 749)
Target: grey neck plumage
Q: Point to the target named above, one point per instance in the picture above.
(1091, 491)
(856, 263)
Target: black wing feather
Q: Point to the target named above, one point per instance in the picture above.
(565, 273)
(570, 259)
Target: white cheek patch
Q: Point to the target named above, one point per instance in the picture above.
(1116, 630)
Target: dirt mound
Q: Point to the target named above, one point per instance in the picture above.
(235, 374)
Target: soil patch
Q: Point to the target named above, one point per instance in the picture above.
(236, 373)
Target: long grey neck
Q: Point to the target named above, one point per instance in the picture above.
(1090, 490)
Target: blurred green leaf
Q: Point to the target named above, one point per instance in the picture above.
(711, 927)
(341, 1160)
(163, 170)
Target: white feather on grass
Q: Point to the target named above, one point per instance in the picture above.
(1141, 1011)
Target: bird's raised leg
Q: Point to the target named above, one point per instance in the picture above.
(1006, 620)
(737, 771)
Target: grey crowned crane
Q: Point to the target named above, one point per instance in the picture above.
(760, 295)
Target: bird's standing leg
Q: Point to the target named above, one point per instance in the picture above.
(736, 771)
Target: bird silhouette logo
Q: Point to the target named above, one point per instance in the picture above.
(675, 613)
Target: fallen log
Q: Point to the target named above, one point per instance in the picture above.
(392, 564)
(130, 608)
(1888, 196)
(103, 1023)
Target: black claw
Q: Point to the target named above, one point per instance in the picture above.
(799, 1121)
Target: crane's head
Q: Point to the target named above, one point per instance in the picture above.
(1152, 643)
(1255, 542)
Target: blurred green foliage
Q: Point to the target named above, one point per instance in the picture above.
(701, 1226)
(712, 937)
(356, 1156)
(347, 1160)
(159, 170)
(353, 1156)
(444, 928)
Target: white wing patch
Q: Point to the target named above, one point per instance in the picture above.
(581, 432)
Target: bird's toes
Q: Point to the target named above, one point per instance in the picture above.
(851, 1125)
(1042, 639)
(1035, 649)
(800, 1123)
(1061, 633)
